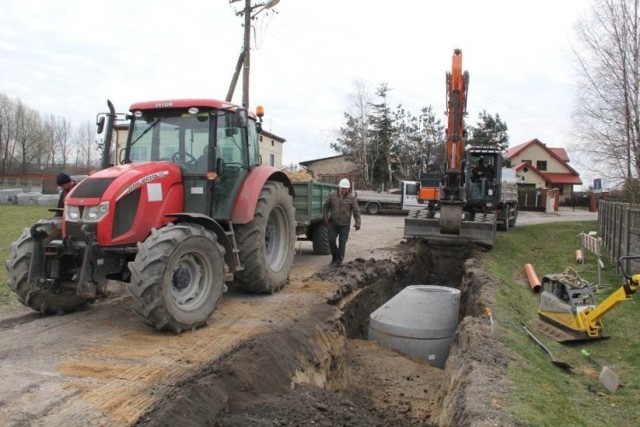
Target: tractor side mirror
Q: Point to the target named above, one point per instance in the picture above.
(100, 125)
(220, 166)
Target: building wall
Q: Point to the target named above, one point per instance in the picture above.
(530, 177)
(271, 151)
(535, 153)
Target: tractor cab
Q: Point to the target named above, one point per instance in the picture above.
(214, 145)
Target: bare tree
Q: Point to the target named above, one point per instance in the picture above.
(607, 115)
(6, 132)
(62, 140)
(28, 130)
(87, 146)
(354, 139)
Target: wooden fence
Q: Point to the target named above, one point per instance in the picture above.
(619, 227)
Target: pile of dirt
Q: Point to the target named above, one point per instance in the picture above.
(298, 176)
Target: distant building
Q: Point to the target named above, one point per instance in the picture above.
(539, 166)
(332, 169)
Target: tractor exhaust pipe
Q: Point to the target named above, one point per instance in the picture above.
(108, 135)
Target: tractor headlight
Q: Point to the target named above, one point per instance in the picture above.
(72, 213)
(96, 213)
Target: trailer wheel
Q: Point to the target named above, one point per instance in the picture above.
(177, 277)
(267, 243)
(373, 208)
(320, 238)
(53, 300)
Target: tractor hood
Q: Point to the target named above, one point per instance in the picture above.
(122, 203)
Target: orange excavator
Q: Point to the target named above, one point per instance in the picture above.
(455, 195)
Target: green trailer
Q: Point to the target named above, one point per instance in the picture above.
(308, 201)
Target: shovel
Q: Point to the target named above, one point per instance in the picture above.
(608, 378)
(558, 363)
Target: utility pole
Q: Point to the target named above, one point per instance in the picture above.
(247, 54)
(244, 61)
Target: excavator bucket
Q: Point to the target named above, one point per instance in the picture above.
(418, 225)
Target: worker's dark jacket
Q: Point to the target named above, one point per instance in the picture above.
(338, 209)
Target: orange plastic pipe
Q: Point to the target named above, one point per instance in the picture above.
(534, 282)
(579, 256)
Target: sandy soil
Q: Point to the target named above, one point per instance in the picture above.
(292, 358)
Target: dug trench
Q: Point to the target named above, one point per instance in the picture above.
(319, 369)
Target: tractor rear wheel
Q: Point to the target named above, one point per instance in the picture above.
(267, 243)
(55, 299)
(177, 277)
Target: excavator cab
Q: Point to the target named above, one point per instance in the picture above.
(482, 185)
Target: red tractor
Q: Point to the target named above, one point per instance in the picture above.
(188, 209)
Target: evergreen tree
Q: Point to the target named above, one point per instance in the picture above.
(382, 133)
(490, 131)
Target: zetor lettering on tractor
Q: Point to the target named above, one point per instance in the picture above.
(188, 209)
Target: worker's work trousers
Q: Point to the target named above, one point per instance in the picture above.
(340, 232)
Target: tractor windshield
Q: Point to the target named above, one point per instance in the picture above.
(169, 135)
(185, 138)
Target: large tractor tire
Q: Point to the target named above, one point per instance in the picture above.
(267, 244)
(320, 240)
(46, 300)
(177, 277)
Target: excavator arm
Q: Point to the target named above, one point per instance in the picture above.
(457, 87)
(452, 198)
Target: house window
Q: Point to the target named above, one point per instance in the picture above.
(541, 165)
(272, 143)
(272, 160)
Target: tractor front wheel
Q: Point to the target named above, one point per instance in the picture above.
(177, 277)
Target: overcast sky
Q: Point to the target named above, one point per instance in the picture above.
(67, 57)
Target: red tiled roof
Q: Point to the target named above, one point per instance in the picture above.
(560, 152)
(562, 178)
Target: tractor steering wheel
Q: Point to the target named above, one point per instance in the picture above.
(190, 160)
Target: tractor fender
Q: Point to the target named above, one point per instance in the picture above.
(213, 225)
(245, 206)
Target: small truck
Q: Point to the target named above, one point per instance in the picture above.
(402, 198)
